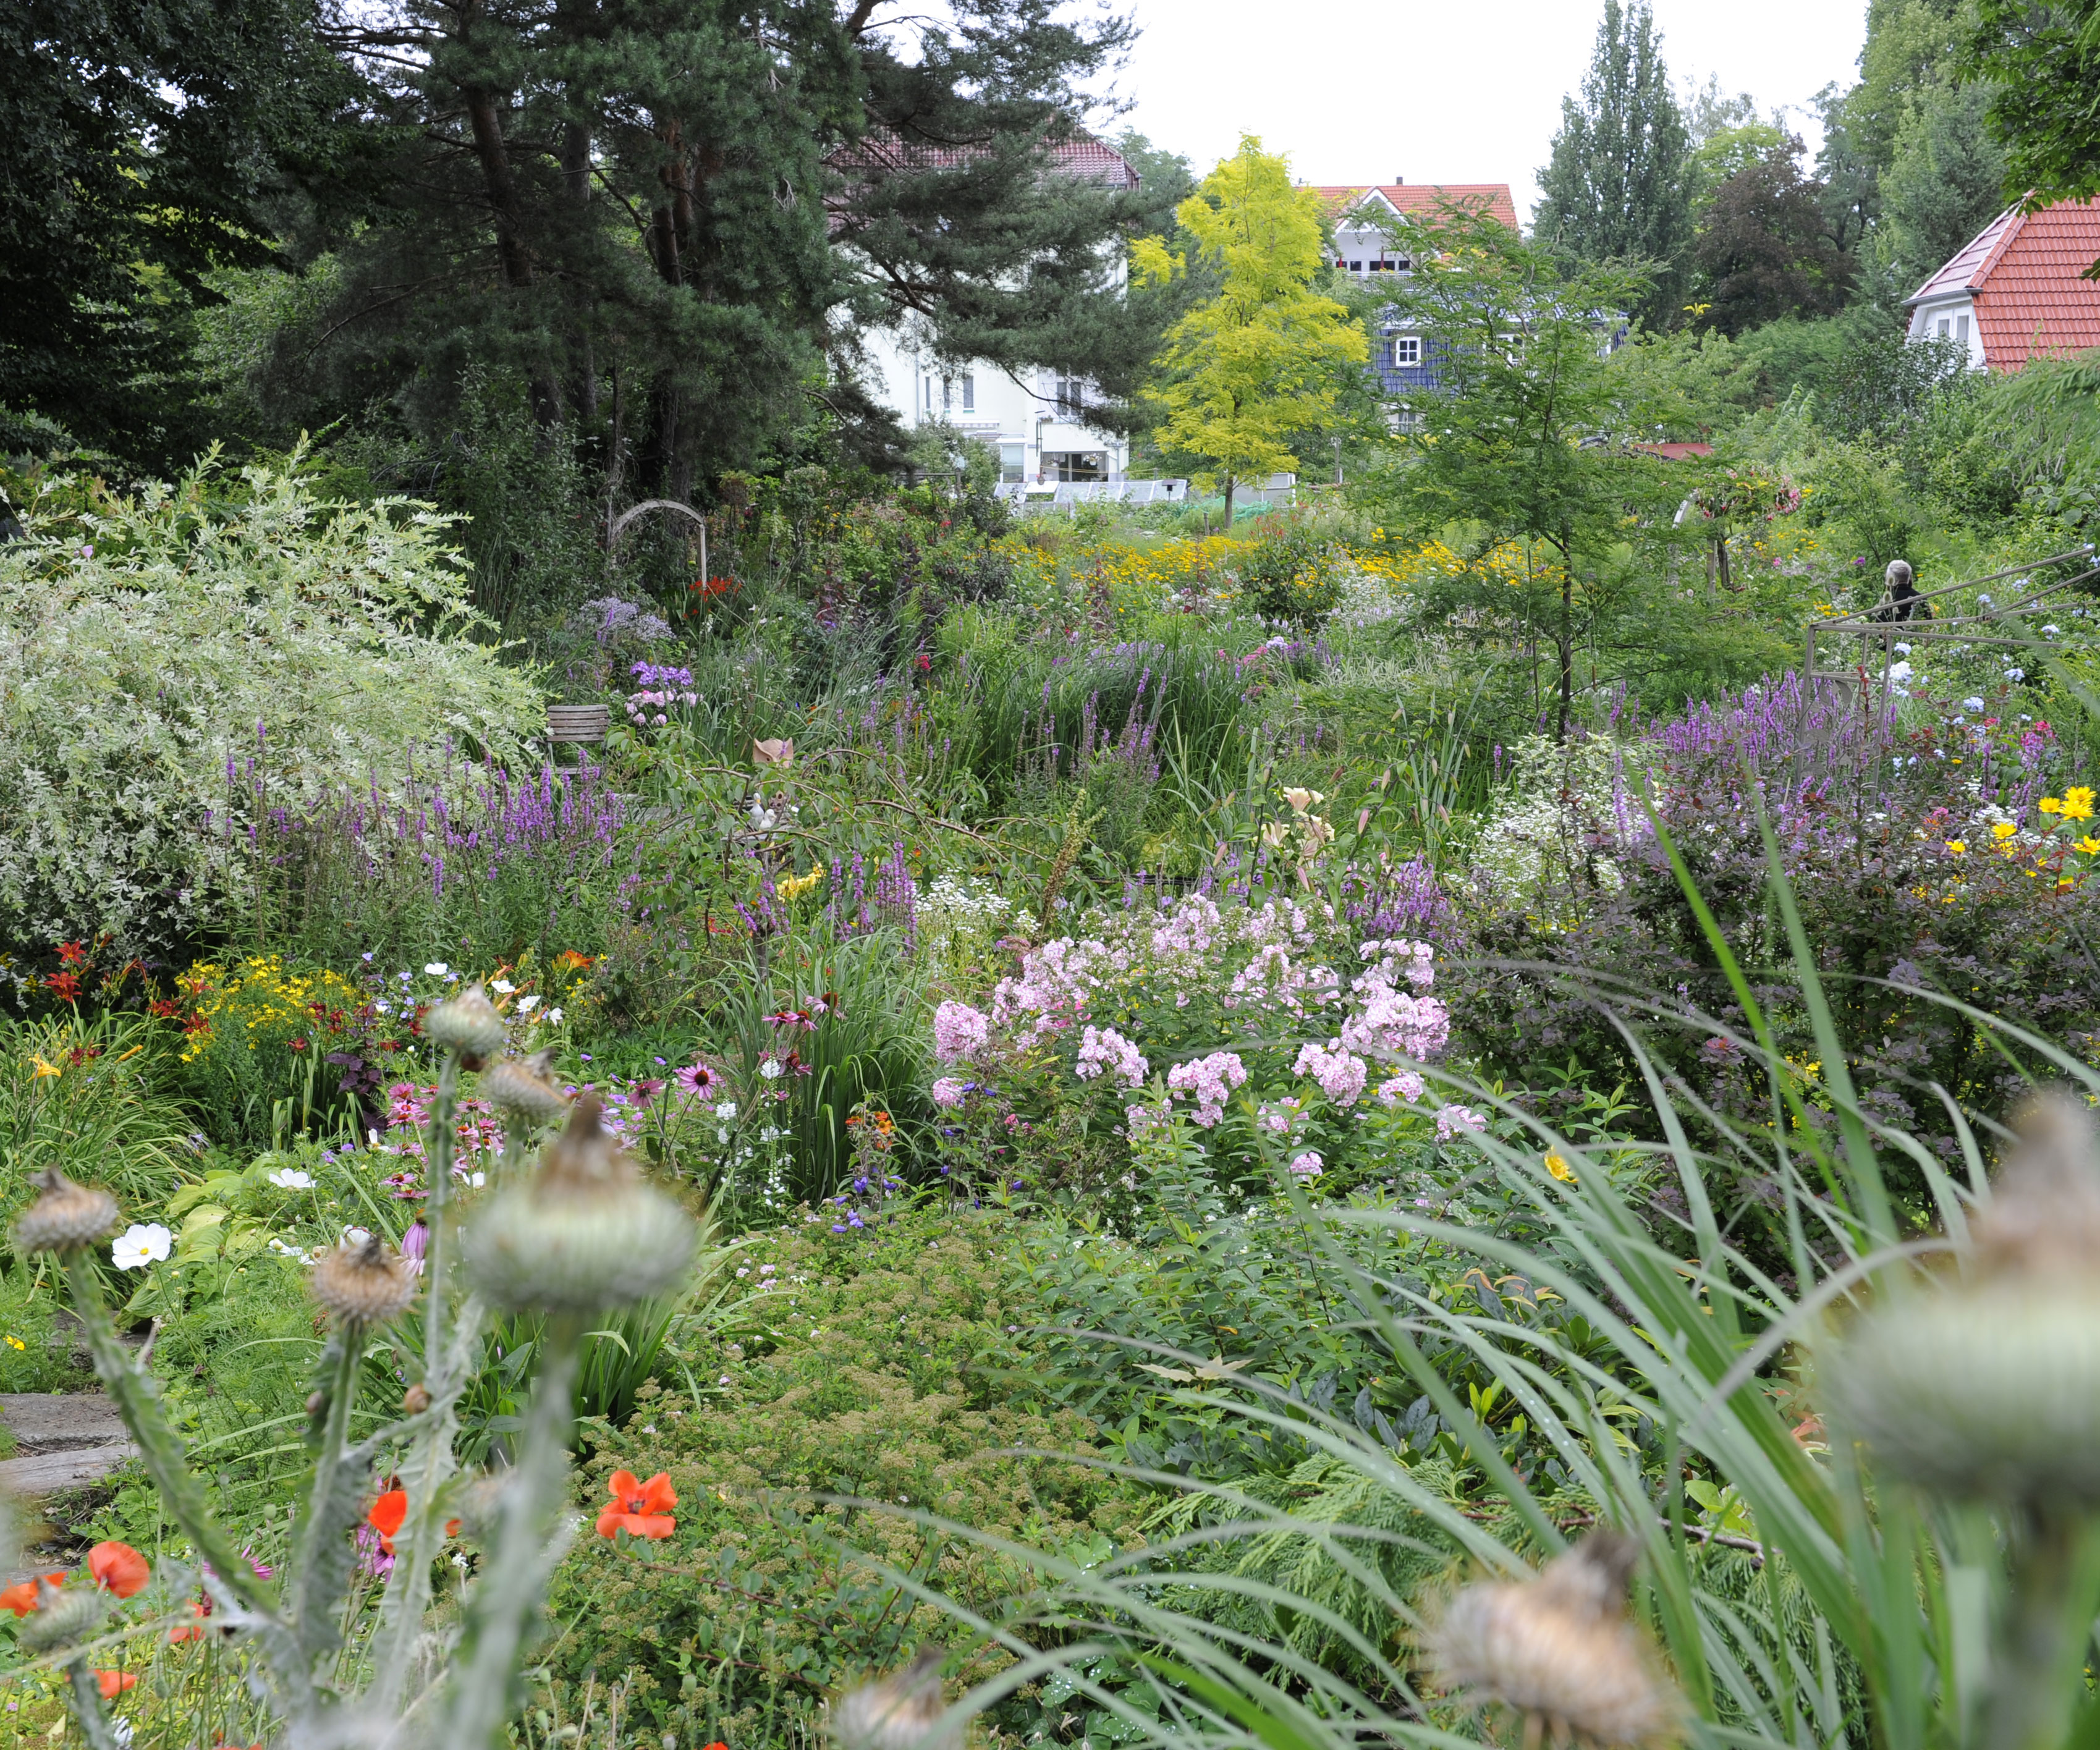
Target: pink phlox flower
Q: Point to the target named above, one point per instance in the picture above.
(1308, 1165)
(1104, 1049)
(1341, 1074)
(1281, 1116)
(947, 1091)
(1208, 1079)
(960, 1031)
(1406, 1086)
(1451, 1119)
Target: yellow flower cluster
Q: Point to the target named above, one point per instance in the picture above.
(1510, 563)
(258, 995)
(794, 887)
(2074, 804)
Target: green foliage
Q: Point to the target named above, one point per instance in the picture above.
(147, 146)
(167, 640)
(1246, 375)
(1289, 574)
(1617, 187)
(877, 1394)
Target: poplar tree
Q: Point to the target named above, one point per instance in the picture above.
(1615, 187)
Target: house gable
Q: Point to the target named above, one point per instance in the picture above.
(2021, 281)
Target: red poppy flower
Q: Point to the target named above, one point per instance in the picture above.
(717, 1745)
(21, 1598)
(639, 1509)
(114, 1683)
(191, 1631)
(119, 1567)
(386, 1516)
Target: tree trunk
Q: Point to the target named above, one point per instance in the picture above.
(576, 184)
(1230, 482)
(512, 256)
(1566, 641)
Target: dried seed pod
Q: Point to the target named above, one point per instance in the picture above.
(1558, 1650)
(65, 1216)
(64, 1617)
(519, 1088)
(583, 1234)
(364, 1282)
(1987, 1387)
(900, 1712)
(468, 1024)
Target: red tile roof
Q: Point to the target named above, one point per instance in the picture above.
(1424, 197)
(1085, 159)
(2022, 274)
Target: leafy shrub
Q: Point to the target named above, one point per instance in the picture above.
(880, 1365)
(165, 641)
(1290, 574)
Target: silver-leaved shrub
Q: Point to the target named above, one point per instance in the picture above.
(179, 661)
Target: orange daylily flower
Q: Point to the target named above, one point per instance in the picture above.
(639, 1509)
(119, 1567)
(114, 1683)
(21, 1598)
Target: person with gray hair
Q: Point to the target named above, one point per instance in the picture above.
(1899, 596)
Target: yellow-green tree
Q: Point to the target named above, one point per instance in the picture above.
(1246, 375)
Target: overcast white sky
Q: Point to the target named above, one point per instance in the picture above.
(1368, 91)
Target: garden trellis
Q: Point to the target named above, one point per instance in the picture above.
(1890, 625)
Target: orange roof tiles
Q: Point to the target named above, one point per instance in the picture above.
(1423, 197)
(2023, 275)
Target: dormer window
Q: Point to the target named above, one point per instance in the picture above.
(1407, 349)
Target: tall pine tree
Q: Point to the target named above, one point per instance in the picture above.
(1615, 190)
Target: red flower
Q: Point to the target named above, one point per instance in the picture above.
(191, 1631)
(923, 662)
(119, 1567)
(390, 1512)
(114, 1683)
(386, 1516)
(717, 1745)
(64, 985)
(298, 1045)
(164, 1008)
(21, 1598)
(639, 1509)
(72, 953)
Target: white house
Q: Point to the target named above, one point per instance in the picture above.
(1035, 417)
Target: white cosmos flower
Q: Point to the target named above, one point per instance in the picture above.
(293, 1178)
(437, 969)
(141, 1245)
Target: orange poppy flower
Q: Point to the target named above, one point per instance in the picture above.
(114, 1683)
(119, 1567)
(21, 1598)
(390, 1512)
(386, 1516)
(191, 1631)
(638, 1508)
(717, 1745)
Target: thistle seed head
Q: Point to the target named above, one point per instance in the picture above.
(519, 1088)
(363, 1282)
(470, 1025)
(1987, 1386)
(1558, 1650)
(583, 1234)
(64, 1617)
(900, 1712)
(65, 1216)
